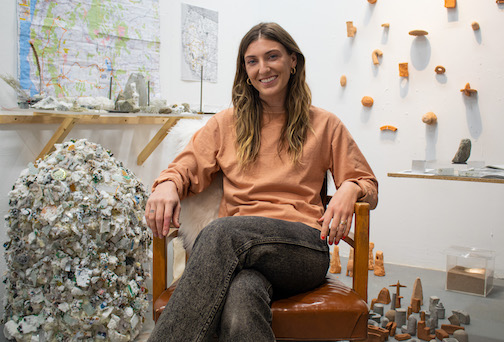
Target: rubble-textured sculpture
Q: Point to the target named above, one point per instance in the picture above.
(76, 248)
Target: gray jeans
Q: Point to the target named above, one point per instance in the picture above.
(236, 265)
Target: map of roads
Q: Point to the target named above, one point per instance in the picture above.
(87, 47)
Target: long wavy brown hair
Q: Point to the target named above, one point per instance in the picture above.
(248, 107)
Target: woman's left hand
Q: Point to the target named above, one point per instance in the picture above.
(340, 211)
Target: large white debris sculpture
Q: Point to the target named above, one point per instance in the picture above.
(77, 249)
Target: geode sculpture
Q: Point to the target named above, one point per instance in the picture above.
(76, 250)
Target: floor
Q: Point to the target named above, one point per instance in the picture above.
(486, 313)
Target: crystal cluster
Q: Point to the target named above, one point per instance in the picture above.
(77, 247)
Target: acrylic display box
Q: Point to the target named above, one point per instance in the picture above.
(469, 270)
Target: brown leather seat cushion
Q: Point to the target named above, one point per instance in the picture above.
(330, 312)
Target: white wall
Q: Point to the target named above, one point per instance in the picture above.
(416, 219)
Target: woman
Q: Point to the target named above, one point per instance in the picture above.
(274, 150)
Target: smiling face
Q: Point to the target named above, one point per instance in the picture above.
(268, 66)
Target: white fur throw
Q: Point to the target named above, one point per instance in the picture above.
(199, 210)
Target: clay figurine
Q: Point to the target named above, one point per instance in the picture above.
(440, 70)
(386, 25)
(418, 33)
(335, 261)
(351, 30)
(349, 268)
(398, 293)
(388, 128)
(429, 118)
(417, 292)
(367, 101)
(343, 81)
(450, 3)
(403, 70)
(383, 296)
(376, 53)
(468, 91)
(423, 332)
(370, 257)
(475, 26)
(379, 269)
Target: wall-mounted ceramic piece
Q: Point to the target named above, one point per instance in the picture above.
(343, 81)
(450, 3)
(351, 30)
(418, 33)
(367, 101)
(468, 91)
(429, 118)
(403, 70)
(376, 53)
(388, 128)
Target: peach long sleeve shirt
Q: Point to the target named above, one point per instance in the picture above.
(272, 186)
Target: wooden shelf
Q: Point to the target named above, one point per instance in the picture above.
(67, 120)
(451, 178)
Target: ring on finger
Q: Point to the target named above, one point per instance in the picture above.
(152, 211)
(343, 223)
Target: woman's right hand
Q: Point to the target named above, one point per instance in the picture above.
(163, 207)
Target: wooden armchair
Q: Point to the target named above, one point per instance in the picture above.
(330, 312)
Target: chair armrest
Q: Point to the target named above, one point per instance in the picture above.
(160, 263)
(360, 243)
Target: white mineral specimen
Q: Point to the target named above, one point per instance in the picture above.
(76, 250)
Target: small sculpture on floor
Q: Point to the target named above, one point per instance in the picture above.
(417, 291)
(384, 296)
(349, 268)
(398, 293)
(379, 268)
(335, 261)
(423, 332)
(371, 258)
